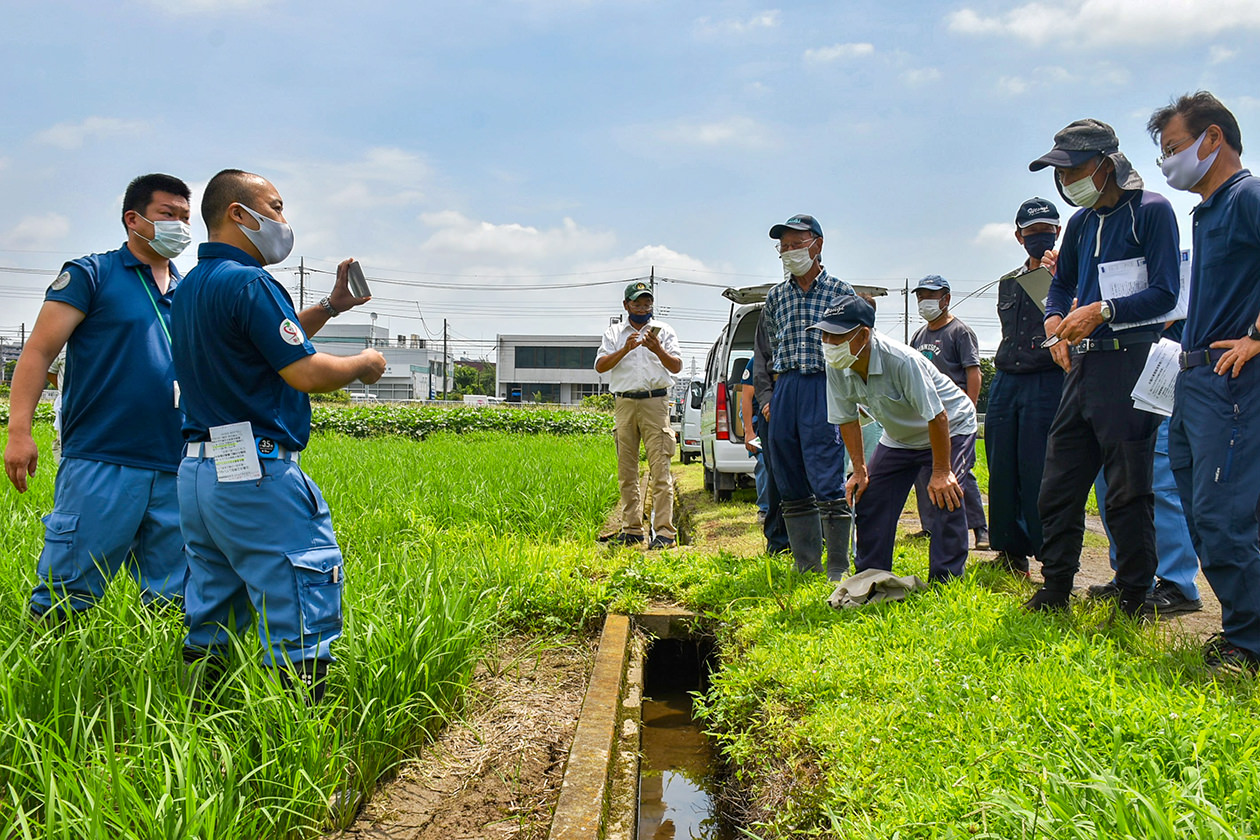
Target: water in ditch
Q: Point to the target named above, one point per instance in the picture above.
(677, 783)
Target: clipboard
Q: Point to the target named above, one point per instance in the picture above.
(1037, 284)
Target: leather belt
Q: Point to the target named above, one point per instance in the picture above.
(1200, 357)
(1100, 345)
(642, 395)
(268, 450)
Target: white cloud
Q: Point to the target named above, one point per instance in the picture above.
(74, 135)
(1041, 77)
(1094, 23)
(738, 132)
(1219, 55)
(195, 7)
(994, 233)
(457, 236)
(838, 52)
(708, 28)
(921, 76)
(36, 233)
(383, 177)
(1013, 85)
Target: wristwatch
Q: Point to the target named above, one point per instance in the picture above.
(1253, 333)
(1106, 311)
(326, 303)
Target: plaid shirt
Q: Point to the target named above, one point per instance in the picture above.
(789, 312)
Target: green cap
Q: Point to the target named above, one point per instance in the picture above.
(637, 289)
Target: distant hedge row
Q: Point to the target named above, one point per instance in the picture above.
(417, 421)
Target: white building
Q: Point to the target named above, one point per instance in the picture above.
(548, 368)
(413, 369)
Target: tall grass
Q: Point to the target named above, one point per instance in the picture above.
(104, 735)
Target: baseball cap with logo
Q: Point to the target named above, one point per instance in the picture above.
(845, 314)
(798, 222)
(637, 289)
(933, 282)
(1036, 211)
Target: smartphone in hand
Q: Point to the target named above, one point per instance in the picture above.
(356, 281)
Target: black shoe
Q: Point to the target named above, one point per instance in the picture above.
(1222, 656)
(659, 542)
(1109, 591)
(1012, 563)
(622, 538)
(919, 535)
(1048, 600)
(1168, 599)
(982, 539)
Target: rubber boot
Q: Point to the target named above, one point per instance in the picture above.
(207, 670)
(804, 528)
(1049, 599)
(837, 526)
(312, 674)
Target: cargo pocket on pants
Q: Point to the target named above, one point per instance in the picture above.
(318, 573)
(59, 540)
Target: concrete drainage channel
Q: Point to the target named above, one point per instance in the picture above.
(639, 767)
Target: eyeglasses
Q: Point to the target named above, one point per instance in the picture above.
(782, 247)
(1169, 151)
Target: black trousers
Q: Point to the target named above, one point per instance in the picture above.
(1097, 426)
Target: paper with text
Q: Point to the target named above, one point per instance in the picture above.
(234, 451)
(1128, 277)
(1154, 389)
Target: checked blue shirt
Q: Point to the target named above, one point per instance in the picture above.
(789, 312)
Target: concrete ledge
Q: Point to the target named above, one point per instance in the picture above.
(583, 799)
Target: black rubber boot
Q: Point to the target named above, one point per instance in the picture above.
(804, 528)
(312, 674)
(1048, 600)
(837, 526)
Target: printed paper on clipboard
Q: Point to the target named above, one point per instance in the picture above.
(1037, 284)
(1128, 277)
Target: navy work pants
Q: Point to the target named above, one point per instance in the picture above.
(892, 473)
(1097, 426)
(806, 452)
(1214, 448)
(1016, 428)
(773, 527)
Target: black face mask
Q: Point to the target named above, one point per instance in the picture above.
(1036, 244)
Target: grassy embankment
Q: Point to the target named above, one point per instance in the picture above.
(951, 715)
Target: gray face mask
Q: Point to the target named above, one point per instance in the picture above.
(274, 240)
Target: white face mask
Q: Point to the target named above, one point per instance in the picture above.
(170, 237)
(1184, 170)
(1082, 193)
(839, 356)
(798, 262)
(274, 240)
(930, 310)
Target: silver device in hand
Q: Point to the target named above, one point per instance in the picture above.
(356, 281)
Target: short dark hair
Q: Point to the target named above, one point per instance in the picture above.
(1199, 110)
(140, 191)
(231, 186)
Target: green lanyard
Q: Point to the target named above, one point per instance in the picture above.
(156, 311)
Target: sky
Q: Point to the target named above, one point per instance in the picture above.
(507, 167)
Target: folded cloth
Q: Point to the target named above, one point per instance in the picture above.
(871, 587)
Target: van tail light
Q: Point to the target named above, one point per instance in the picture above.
(723, 419)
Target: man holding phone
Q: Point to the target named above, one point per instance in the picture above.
(640, 355)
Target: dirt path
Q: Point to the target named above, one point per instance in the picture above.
(496, 772)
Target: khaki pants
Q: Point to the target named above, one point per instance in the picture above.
(647, 421)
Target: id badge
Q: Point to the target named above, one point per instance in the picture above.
(176, 381)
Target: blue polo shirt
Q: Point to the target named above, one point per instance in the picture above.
(1225, 268)
(234, 327)
(1141, 225)
(118, 402)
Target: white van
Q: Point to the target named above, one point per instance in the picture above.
(726, 461)
(689, 437)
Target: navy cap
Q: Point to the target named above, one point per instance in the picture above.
(846, 313)
(797, 222)
(1036, 211)
(933, 282)
(1085, 140)
(637, 289)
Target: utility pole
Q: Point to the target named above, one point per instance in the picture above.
(652, 281)
(906, 295)
(301, 283)
(23, 342)
(444, 359)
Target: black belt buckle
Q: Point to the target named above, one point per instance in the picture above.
(1194, 358)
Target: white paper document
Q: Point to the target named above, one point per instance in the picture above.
(1128, 277)
(234, 451)
(1154, 389)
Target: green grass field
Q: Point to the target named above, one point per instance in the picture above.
(951, 715)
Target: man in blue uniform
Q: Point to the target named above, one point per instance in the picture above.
(258, 531)
(806, 453)
(1214, 436)
(115, 494)
(1096, 423)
